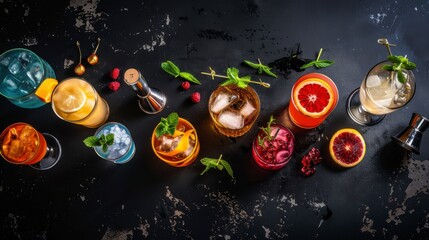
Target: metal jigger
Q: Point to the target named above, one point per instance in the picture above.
(410, 138)
(151, 100)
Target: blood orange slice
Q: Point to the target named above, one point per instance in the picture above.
(347, 147)
(313, 97)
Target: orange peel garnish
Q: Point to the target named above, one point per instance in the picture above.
(181, 147)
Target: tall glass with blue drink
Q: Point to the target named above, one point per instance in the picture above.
(21, 72)
(123, 148)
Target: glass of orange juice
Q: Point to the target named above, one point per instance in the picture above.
(21, 144)
(178, 148)
(314, 96)
(75, 100)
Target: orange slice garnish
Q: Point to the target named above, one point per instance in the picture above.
(313, 97)
(45, 89)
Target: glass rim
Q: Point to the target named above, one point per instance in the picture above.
(95, 100)
(38, 58)
(322, 77)
(32, 155)
(252, 92)
(175, 163)
(409, 72)
(255, 144)
(123, 127)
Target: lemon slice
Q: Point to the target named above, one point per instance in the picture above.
(70, 99)
(45, 89)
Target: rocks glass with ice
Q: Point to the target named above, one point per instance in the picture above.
(379, 94)
(234, 109)
(123, 148)
(180, 149)
(21, 72)
(21, 144)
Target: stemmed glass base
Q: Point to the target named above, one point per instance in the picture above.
(53, 153)
(358, 114)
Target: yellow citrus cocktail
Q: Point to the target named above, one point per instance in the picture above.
(76, 101)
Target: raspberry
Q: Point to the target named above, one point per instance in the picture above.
(114, 85)
(114, 74)
(195, 97)
(186, 85)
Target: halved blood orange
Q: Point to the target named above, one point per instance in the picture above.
(313, 97)
(347, 147)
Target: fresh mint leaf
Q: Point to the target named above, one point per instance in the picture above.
(399, 63)
(167, 125)
(233, 78)
(227, 167)
(261, 68)
(323, 63)
(103, 141)
(318, 63)
(189, 77)
(91, 141)
(170, 68)
(219, 164)
(174, 70)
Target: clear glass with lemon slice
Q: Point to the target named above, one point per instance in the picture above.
(75, 100)
(314, 96)
(179, 149)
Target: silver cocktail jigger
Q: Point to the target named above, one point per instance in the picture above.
(151, 100)
(411, 137)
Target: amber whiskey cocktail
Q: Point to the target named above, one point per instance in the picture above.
(21, 144)
(233, 109)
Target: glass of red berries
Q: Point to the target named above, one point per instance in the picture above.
(273, 146)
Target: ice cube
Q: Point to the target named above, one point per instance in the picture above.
(5, 61)
(24, 58)
(35, 73)
(373, 81)
(15, 67)
(27, 86)
(231, 119)
(122, 151)
(384, 102)
(166, 143)
(222, 101)
(9, 82)
(248, 109)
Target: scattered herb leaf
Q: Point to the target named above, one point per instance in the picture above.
(260, 67)
(104, 141)
(167, 125)
(174, 70)
(318, 63)
(219, 163)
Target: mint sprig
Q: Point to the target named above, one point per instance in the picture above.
(104, 141)
(167, 125)
(399, 63)
(260, 67)
(267, 131)
(219, 164)
(174, 70)
(233, 78)
(318, 63)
